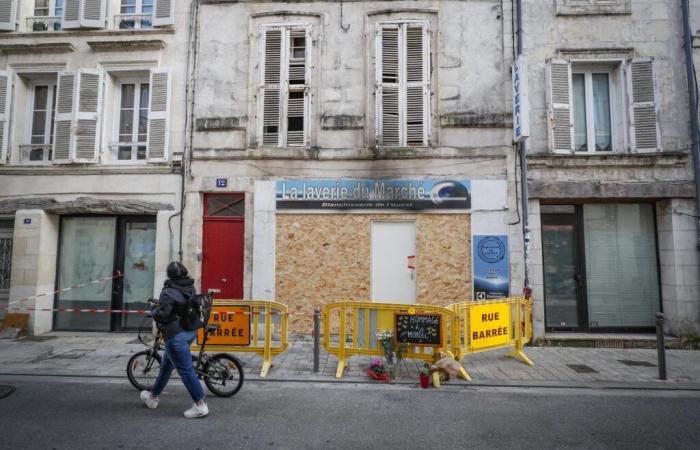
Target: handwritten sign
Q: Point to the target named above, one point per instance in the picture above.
(489, 325)
(234, 324)
(419, 329)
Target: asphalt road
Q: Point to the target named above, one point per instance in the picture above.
(70, 413)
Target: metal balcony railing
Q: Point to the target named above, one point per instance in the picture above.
(132, 21)
(43, 24)
(36, 153)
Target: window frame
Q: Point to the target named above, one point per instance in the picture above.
(138, 11)
(49, 126)
(588, 73)
(402, 83)
(54, 20)
(137, 81)
(284, 87)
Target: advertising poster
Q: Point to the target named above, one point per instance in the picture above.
(409, 195)
(491, 267)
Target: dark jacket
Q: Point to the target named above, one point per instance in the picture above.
(171, 307)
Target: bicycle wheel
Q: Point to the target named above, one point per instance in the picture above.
(142, 369)
(223, 375)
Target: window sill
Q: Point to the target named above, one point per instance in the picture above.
(87, 32)
(581, 161)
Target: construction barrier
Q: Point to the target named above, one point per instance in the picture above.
(493, 324)
(426, 328)
(240, 329)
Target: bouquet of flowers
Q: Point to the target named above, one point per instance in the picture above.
(393, 352)
(376, 370)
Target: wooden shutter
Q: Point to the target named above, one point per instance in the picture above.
(159, 115)
(388, 92)
(63, 140)
(417, 86)
(559, 94)
(272, 66)
(87, 131)
(84, 14)
(8, 11)
(644, 126)
(296, 87)
(163, 13)
(5, 101)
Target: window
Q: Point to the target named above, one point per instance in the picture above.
(133, 121)
(403, 84)
(135, 14)
(283, 99)
(47, 15)
(598, 107)
(41, 125)
(592, 112)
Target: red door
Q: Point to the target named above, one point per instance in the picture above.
(223, 240)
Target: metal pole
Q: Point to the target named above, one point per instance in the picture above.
(317, 339)
(690, 73)
(660, 348)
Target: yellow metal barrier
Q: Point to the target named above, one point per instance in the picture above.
(240, 323)
(356, 324)
(488, 325)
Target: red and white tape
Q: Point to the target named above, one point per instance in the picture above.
(77, 286)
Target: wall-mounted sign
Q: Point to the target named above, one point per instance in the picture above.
(27, 221)
(491, 267)
(221, 182)
(489, 325)
(418, 329)
(374, 194)
(521, 101)
(234, 326)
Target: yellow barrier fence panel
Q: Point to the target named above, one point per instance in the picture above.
(426, 328)
(239, 322)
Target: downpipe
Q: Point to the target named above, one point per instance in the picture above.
(693, 101)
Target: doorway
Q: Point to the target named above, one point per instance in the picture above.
(94, 247)
(6, 236)
(393, 261)
(223, 245)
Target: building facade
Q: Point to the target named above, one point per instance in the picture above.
(323, 151)
(92, 124)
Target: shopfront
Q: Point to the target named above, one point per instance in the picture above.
(601, 267)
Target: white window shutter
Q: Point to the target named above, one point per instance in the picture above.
(271, 81)
(89, 106)
(84, 14)
(163, 13)
(417, 85)
(8, 12)
(388, 92)
(296, 88)
(559, 99)
(159, 115)
(5, 101)
(645, 135)
(63, 138)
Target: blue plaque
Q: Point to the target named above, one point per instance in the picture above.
(27, 221)
(221, 182)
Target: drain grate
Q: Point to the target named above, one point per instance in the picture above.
(5, 391)
(581, 368)
(609, 343)
(631, 363)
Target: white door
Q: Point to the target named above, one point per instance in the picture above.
(393, 254)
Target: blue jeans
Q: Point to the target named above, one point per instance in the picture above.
(177, 355)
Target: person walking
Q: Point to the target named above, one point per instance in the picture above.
(179, 332)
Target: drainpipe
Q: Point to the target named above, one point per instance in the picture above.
(523, 169)
(690, 71)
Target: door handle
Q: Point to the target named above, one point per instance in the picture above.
(224, 280)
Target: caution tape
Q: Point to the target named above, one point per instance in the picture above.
(126, 311)
(77, 286)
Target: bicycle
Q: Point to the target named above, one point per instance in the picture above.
(222, 373)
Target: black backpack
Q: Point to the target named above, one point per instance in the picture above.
(196, 312)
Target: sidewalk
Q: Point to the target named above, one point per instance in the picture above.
(106, 354)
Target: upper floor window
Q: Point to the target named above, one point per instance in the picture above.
(602, 106)
(133, 120)
(47, 15)
(43, 116)
(135, 14)
(283, 92)
(403, 84)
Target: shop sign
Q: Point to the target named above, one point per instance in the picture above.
(234, 326)
(386, 194)
(521, 101)
(489, 325)
(491, 267)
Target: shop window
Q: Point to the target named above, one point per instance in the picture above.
(283, 95)
(598, 107)
(403, 84)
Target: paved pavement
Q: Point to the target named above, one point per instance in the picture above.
(106, 354)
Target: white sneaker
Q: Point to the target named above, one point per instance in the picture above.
(151, 402)
(197, 411)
